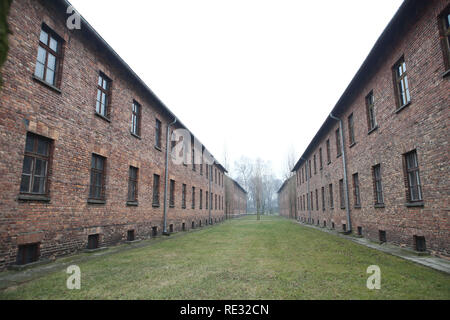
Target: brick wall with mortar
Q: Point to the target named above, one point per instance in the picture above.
(68, 117)
(421, 126)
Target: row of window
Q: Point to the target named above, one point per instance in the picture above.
(403, 98)
(412, 184)
(36, 169)
(215, 200)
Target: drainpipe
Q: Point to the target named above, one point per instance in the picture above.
(210, 195)
(344, 164)
(166, 176)
(307, 189)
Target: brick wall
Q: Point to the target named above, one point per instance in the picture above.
(67, 116)
(422, 126)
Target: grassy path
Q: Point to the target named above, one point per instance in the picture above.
(243, 259)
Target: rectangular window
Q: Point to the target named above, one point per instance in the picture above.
(312, 201)
(133, 184)
(136, 119)
(215, 200)
(303, 174)
(338, 143)
(310, 169)
(414, 189)
(330, 189)
(320, 159)
(207, 200)
(201, 199)
(323, 198)
(193, 159)
(370, 106)
(356, 195)
(401, 83)
(158, 133)
(28, 253)
(317, 200)
(102, 104)
(156, 190)
(97, 186)
(378, 190)
(193, 197)
(183, 197)
(172, 194)
(35, 165)
(328, 152)
(444, 21)
(341, 193)
(315, 165)
(48, 63)
(93, 241)
(351, 129)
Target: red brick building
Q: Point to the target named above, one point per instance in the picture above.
(83, 146)
(287, 199)
(391, 128)
(235, 199)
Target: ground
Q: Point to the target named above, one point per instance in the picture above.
(274, 258)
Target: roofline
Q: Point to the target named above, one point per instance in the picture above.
(405, 7)
(133, 74)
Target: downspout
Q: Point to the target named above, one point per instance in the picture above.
(210, 195)
(344, 164)
(308, 203)
(166, 176)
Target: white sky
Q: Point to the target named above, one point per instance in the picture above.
(254, 77)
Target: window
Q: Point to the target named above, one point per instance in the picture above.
(323, 198)
(35, 165)
(201, 169)
(201, 199)
(136, 119)
(356, 195)
(310, 169)
(414, 189)
(215, 201)
(315, 165)
(378, 190)
(207, 200)
(158, 134)
(193, 197)
(28, 253)
(328, 152)
(156, 190)
(183, 197)
(303, 174)
(370, 106)
(351, 130)
(103, 96)
(338, 143)
(330, 189)
(130, 235)
(401, 83)
(97, 186)
(133, 184)
(48, 64)
(312, 201)
(444, 20)
(93, 241)
(317, 200)
(341, 193)
(320, 159)
(172, 194)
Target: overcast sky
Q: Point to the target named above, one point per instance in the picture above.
(254, 77)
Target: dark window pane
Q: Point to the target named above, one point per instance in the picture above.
(25, 184)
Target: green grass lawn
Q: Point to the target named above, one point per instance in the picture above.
(243, 259)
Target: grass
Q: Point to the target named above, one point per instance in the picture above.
(243, 259)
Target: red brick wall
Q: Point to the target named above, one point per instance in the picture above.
(423, 126)
(68, 117)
